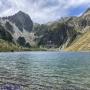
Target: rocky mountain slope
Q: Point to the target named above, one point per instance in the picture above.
(65, 33)
(82, 43)
(19, 26)
(55, 35)
(62, 33)
(21, 20)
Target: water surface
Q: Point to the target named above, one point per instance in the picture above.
(45, 71)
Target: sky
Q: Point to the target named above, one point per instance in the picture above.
(43, 11)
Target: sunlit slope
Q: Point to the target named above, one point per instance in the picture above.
(7, 46)
(81, 44)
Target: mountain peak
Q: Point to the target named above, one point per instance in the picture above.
(22, 21)
(20, 12)
(87, 12)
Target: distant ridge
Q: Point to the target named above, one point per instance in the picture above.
(86, 12)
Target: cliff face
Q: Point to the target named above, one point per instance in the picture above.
(56, 34)
(5, 35)
(20, 29)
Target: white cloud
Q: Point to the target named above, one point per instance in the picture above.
(41, 10)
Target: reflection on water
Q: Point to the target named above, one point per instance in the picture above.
(45, 71)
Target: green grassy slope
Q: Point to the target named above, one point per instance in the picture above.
(8, 46)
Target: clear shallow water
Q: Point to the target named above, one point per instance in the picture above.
(45, 71)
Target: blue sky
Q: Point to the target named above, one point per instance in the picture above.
(42, 11)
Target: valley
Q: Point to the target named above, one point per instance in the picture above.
(68, 33)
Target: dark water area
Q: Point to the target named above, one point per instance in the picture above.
(45, 71)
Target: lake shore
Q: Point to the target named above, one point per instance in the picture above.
(40, 49)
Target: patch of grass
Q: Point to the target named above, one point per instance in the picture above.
(34, 49)
(81, 44)
(8, 46)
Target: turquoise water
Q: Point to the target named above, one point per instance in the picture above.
(45, 71)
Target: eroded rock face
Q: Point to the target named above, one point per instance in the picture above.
(55, 34)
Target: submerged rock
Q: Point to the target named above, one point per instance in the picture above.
(10, 86)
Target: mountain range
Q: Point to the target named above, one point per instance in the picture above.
(69, 33)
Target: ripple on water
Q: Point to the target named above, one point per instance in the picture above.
(44, 71)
